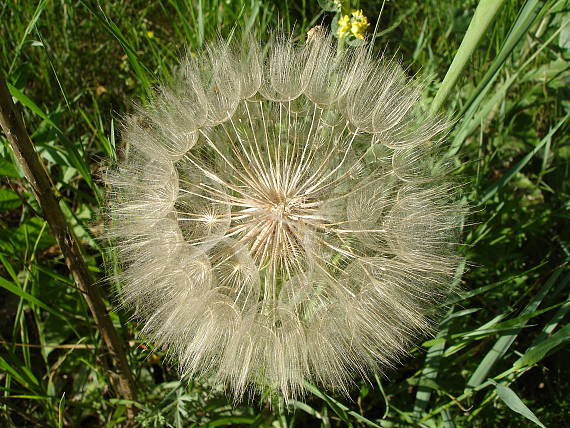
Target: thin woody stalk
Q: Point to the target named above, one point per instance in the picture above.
(13, 127)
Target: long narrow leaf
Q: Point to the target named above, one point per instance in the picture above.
(504, 342)
(142, 72)
(527, 15)
(536, 353)
(340, 409)
(512, 400)
(484, 15)
(495, 187)
(39, 9)
(75, 158)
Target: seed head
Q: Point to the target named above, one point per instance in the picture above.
(281, 218)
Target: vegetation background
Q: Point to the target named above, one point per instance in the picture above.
(501, 357)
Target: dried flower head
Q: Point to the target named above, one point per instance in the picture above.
(280, 217)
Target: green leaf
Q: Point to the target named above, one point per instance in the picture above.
(9, 200)
(340, 409)
(527, 15)
(504, 342)
(329, 5)
(75, 158)
(8, 169)
(13, 288)
(499, 184)
(513, 401)
(484, 15)
(537, 352)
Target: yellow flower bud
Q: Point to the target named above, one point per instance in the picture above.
(343, 26)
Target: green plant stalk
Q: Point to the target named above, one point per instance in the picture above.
(34, 171)
(526, 17)
(484, 15)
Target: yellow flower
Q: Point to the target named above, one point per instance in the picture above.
(356, 24)
(357, 14)
(343, 26)
(359, 24)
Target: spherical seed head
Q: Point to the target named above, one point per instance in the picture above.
(284, 218)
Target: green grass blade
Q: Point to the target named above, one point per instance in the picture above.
(61, 411)
(537, 352)
(335, 406)
(39, 9)
(306, 408)
(105, 143)
(9, 268)
(143, 74)
(527, 15)
(13, 288)
(200, 24)
(553, 323)
(24, 377)
(180, 7)
(499, 184)
(434, 355)
(512, 400)
(504, 342)
(546, 341)
(430, 372)
(474, 116)
(480, 290)
(340, 409)
(75, 158)
(231, 420)
(484, 15)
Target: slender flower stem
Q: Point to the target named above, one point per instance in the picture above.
(35, 173)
